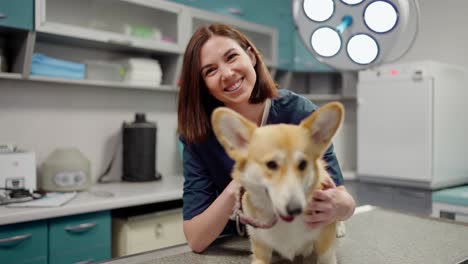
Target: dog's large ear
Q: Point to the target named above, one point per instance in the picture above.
(233, 131)
(323, 124)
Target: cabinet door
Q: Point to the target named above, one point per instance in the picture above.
(394, 130)
(89, 255)
(17, 14)
(148, 232)
(24, 243)
(73, 233)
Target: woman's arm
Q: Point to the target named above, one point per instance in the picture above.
(204, 228)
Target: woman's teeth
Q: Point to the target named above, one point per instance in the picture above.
(234, 87)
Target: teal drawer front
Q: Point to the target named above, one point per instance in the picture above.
(24, 243)
(67, 234)
(17, 14)
(82, 256)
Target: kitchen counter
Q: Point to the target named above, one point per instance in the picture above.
(373, 236)
(102, 197)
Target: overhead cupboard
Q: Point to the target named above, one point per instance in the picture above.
(117, 44)
(122, 43)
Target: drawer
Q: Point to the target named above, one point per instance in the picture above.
(91, 255)
(24, 243)
(147, 232)
(17, 14)
(85, 231)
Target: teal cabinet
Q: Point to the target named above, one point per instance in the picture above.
(24, 243)
(72, 239)
(87, 255)
(80, 235)
(17, 14)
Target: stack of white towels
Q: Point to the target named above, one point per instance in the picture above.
(142, 71)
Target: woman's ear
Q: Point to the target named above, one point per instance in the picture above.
(252, 56)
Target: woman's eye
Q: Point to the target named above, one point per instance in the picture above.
(209, 71)
(272, 165)
(232, 56)
(302, 165)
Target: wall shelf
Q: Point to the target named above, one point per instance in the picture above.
(10, 75)
(96, 83)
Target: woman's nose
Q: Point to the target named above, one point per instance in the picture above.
(226, 72)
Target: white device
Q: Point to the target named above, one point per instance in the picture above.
(412, 125)
(18, 170)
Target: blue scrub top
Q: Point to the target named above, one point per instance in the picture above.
(207, 167)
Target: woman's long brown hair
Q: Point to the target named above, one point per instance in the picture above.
(195, 103)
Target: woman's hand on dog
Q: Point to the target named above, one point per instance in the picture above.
(327, 206)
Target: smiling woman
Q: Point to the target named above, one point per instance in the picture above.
(222, 67)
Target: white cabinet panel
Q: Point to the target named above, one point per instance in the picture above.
(395, 129)
(147, 232)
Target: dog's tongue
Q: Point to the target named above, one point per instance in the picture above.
(287, 218)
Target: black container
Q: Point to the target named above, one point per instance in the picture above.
(139, 150)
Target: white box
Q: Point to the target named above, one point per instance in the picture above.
(18, 170)
(412, 125)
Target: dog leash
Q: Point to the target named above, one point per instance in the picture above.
(239, 216)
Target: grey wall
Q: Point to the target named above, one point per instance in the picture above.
(443, 35)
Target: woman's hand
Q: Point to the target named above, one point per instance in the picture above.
(330, 204)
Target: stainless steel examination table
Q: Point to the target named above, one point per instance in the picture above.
(377, 236)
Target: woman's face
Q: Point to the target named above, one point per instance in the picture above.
(228, 70)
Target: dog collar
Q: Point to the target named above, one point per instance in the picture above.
(239, 216)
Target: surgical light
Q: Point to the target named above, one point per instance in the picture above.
(352, 2)
(380, 16)
(318, 10)
(356, 34)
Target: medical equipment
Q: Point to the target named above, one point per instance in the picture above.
(412, 125)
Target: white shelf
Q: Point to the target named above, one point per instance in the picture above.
(9, 75)
(106, 22)
(96, 83)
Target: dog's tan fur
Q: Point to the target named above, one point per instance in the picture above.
(269, 164)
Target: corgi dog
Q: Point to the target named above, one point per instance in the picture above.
(279, 166)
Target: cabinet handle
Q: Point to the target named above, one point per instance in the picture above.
(2, 16)
(14, 239)
(158, 229)
(80, 227)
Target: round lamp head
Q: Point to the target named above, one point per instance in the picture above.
(356, 34)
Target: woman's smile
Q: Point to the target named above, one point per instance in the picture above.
(235, 87)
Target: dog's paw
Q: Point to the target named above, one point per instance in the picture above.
(258, 261)
(340, 229)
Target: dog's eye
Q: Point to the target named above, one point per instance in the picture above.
(302, 165)
(272, 165)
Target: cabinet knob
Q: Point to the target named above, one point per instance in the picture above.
(2, 16)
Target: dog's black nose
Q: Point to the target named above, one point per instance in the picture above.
(293, 208)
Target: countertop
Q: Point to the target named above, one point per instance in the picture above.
(101, 197)
(373, 236)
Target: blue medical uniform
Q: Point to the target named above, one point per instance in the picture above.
(207, 167)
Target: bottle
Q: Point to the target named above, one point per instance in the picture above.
(139, 150)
